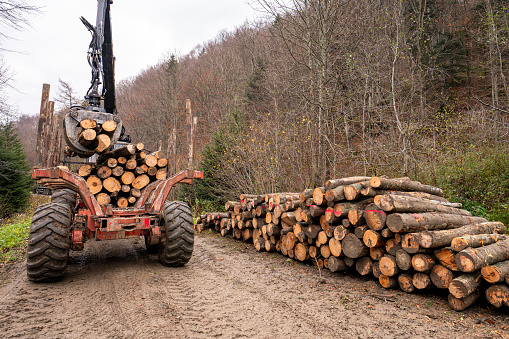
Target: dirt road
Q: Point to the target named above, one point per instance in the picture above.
(117, 290)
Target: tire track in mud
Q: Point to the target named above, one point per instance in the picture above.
(116, 290)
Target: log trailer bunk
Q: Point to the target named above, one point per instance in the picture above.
(74, 216)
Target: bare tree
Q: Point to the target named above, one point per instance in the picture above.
(66, 95)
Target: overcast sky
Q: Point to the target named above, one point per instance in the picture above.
(143, 33)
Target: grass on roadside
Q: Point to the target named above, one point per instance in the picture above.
(14, 232)
(13, 238)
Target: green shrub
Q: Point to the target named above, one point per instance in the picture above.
(15, 180)
(478, 177)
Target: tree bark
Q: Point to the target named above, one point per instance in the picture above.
(405, 223)
(476, 240)
(364, 266)
(403, 260)
(441, 276)
(465, 284)
(496, 273)
(405, 282)
(433, 239)
(375, 217)
(402, 204)
(423, 262)
(459, 304)
(333, 183)
(447, 257)
(337, 264)
(353, 247)
(498, 295)
(473, 259)
(404, 185)
(388, 265)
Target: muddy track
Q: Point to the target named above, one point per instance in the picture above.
(117, 290)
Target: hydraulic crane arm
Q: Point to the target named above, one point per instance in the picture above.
(101, 59)
(101, 94)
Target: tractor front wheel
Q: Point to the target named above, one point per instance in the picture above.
(177, 234)
(48, 242)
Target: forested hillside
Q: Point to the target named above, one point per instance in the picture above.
(333, 88)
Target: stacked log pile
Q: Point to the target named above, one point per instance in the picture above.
(118, 176)
(403, 233)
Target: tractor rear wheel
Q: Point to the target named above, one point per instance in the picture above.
(48, 242)
(177, 234)
(64, 196)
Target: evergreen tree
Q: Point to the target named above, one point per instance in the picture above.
(15, 180)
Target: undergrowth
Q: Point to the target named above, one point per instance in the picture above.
(14, 232)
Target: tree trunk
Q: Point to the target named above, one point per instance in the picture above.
(103, 142)
(465, 284)
(85, 170)
(112, 185)
(104, 172)
(405, 282)
(402, 204)
(94, 184)
(433, 239)
(447, 257)
(301, 252)
(476, 240)
(496, 273)
(405, 223)
(319, 196)
(459, 304)
(473, 259)
(340, 232)
(325, 251)
(388, 265)
(498, 295)
(103, 199)
(403, 260)
(127, 178)
(376, 253)
(337, 264)
(364, 266)
(421, 281)
(336, 194)
(122, 203)
(86, 137)
(141, 181)
(392, 246)
(423, 262)
(404, 185)
(117, 171)
(335, 247)
(353, 247)
(373, 239)
(441, 276)
(388, 282)
(375, 217)
(333, 183)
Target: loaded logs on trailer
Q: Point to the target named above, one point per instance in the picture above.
(402, 232)
(118, 176)
(94, 136)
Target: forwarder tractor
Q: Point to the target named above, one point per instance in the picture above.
(74, 215)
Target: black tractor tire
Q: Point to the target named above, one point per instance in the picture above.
(48, 242)
(64, 196)
(177, 234)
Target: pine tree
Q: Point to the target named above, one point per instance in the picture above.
(15, 181)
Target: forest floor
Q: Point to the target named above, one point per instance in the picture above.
(116, 290)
